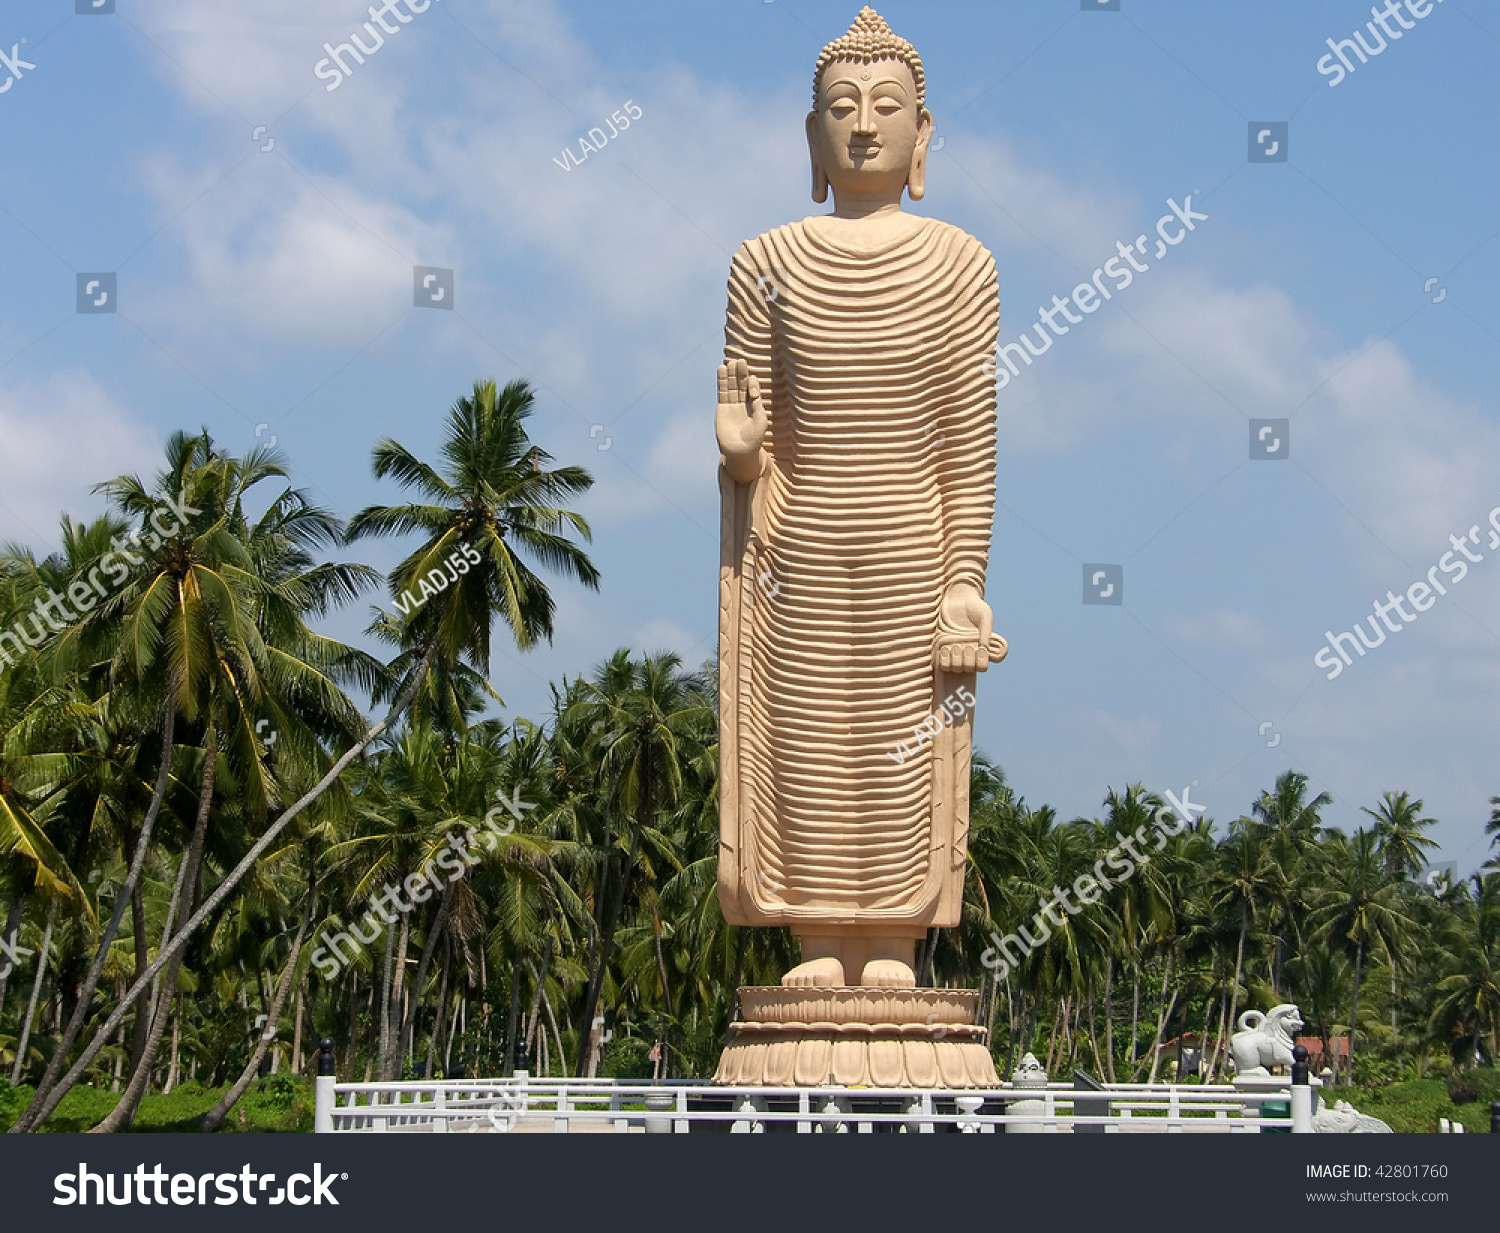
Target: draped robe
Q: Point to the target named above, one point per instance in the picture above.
(876, 493)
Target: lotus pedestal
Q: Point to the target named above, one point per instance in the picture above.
(855, 1036)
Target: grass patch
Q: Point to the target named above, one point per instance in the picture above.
(276, 1104)
(1413, 1106)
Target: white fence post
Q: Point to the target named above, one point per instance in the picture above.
(658, 1101)
(1302, 1093)
(324, 1096)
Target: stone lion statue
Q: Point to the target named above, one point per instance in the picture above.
(1264, 1040)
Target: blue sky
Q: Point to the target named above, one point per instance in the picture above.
(271, 292)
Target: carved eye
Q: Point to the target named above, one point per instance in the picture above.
(888, 106)
(841, 109)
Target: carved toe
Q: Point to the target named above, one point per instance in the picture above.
(888, 974)
(818, 973)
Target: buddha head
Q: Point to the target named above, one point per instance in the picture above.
(869, 127)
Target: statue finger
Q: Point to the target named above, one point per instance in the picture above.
(723, 383)
(741, 375)
(944, 657)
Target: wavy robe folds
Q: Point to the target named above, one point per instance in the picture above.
(877, 494)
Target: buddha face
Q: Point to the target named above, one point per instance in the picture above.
(866, 133)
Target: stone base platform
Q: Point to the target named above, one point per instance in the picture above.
(854, 1035)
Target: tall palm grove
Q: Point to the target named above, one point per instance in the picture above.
(225, 836)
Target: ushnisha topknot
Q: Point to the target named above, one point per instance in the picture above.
(870, 39)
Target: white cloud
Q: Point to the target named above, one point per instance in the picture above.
(60, 437)
(664, 634)
(270, 256)
(1132, 735)
(1222, 629)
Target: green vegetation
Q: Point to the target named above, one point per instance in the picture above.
(192, 803)
(1413, 1106)
(277, 1103)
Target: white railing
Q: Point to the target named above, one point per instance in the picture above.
(562, 1106)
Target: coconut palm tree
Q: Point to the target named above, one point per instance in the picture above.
(186, 631)
(1246, 880)
(1466, 1010)
(493, 497)
(1359, 907)
(500, 489)
(1294, 826)
(639, 715)
(1399, 834)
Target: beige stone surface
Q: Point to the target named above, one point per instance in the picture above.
(856, 421)
(858, 1036)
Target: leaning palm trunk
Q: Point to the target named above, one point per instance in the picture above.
(606, 947)
(36, 989)
(533, 1019)
(1359, 961)
(1161, 1017)
(1163, 1014)
(440, 1012)
(1109, 1016)
(420, 982)
(562, 1058)
(142, 957)
(1227, 1026)
(43, 1102)
(211, 1120)
(513, 1020)
(123, 1113)
(390, 1062)
(384, 1047)
(41, 1111)
(1221, 1051)
(1156, 1046)
(1395, 1026)
(173, 1072)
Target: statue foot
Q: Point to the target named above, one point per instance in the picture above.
(888, 974)
(820, 973)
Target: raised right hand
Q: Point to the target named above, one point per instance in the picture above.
(741, 420)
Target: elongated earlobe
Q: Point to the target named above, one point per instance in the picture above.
(819, 179)
(916, 180)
